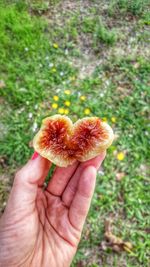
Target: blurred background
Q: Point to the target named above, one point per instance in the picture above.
(83, 58)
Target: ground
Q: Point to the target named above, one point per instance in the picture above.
(96, 56)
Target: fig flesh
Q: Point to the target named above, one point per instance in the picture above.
(62, 142)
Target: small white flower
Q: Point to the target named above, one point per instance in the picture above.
(58, 90)
(34, 127)
(20, 110)
(131, 40)
(36, 106)
(22, 89)
(68, 81)
(50, 65)
(107, 82)
(66, 51)
(146, 133)
(61, 73)
(100, 172)
(26, 49)
(47, 57)
(101, 94)
(27, 103)
(30, 115)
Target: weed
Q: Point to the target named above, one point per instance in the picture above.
(135, 7)
(103, 35)
(100, 33)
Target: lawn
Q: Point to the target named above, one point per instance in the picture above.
(83, 58)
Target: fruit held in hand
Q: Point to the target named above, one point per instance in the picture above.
(63, 142)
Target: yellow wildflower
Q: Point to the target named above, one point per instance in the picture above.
(66, 111)
(54, 105)
(67, 103)
(55, 97)
(67, 92)
(72, 78)
(54, 70)
(113, 119)
(82, 97)
(55, 45)
(120, 156)
(104, 119)
(87, 111)
(61, 111)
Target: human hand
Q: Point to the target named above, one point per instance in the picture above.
(42, 227)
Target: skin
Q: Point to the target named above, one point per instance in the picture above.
(42, 227)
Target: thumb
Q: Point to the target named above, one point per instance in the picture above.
(27, 180)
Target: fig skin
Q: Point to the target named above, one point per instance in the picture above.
(63, 143)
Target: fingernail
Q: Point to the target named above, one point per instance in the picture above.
(35, 155)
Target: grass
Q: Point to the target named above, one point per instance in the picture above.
(100, 33)
(133, 7)
(37, 64)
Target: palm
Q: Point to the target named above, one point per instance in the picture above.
(43, 227)
(56, 231)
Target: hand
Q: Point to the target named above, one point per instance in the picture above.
(42, 228)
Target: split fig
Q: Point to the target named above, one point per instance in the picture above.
(62, 142)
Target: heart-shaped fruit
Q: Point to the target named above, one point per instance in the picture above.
(63, 142)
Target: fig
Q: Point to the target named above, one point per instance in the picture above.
(62, 142)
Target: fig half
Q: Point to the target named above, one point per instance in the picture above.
(62, 142)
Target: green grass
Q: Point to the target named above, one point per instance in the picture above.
(36, 64)
(133, 7)
(75, 27)
(100, 33)
(27, 55)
